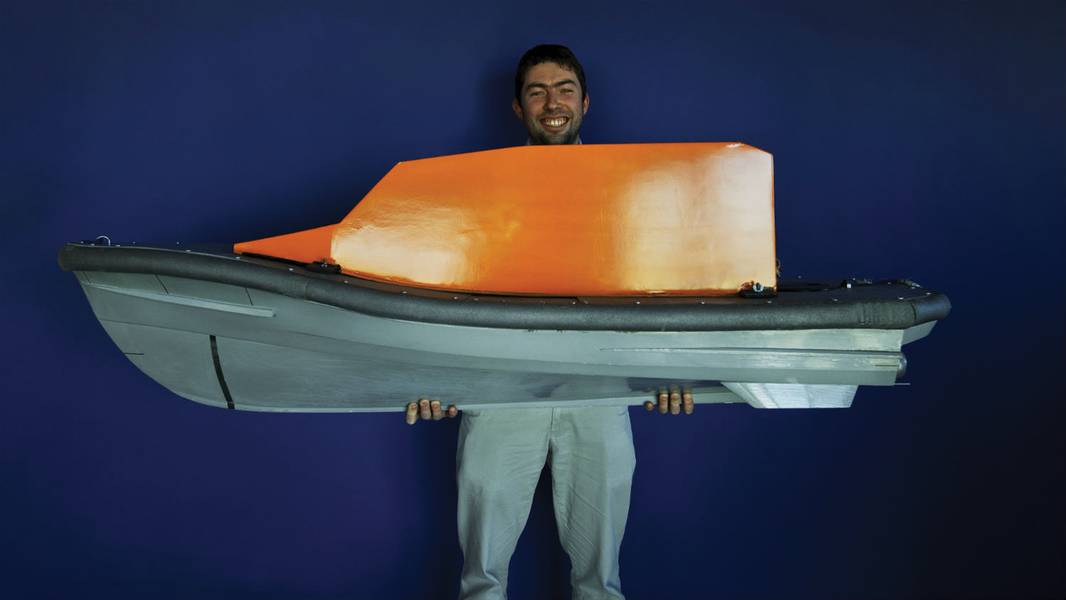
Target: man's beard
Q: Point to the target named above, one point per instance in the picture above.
(538, 136)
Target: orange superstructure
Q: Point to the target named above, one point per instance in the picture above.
(583, 220)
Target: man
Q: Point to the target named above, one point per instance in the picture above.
(551, 95)
(502, 452)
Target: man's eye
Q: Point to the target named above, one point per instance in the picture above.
(568, 91)
(536, 93)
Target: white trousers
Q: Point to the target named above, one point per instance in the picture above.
(500, 458)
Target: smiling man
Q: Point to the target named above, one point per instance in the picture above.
(551, 95)
(589, 450)
(502, 452)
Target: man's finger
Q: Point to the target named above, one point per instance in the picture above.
(434, 408)
(689, 402)
(452, 411)
(649, 406)
(423, 409)
(412, 413)
(675, 402)
(663, 397)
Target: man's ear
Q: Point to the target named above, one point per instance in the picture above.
(585, 105)
(517, 108)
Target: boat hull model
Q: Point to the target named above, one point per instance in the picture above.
(256, 329)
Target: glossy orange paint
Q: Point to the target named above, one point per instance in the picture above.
(582, 220)
(311, 245)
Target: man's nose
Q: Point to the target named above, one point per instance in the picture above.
(552, 100)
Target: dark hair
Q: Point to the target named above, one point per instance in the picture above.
(553, 53)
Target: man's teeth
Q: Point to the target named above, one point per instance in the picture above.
(556, 122)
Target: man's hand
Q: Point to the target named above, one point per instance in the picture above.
(673, 401)
(428, 410)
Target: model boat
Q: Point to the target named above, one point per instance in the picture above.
(533, 276)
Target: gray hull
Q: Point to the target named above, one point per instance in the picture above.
(239, 346)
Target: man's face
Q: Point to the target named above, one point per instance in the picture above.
(551, 104)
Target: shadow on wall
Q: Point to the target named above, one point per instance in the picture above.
(496, 125)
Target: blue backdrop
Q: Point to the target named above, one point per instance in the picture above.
(910, 140)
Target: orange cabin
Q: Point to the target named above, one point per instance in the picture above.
(581, 220)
